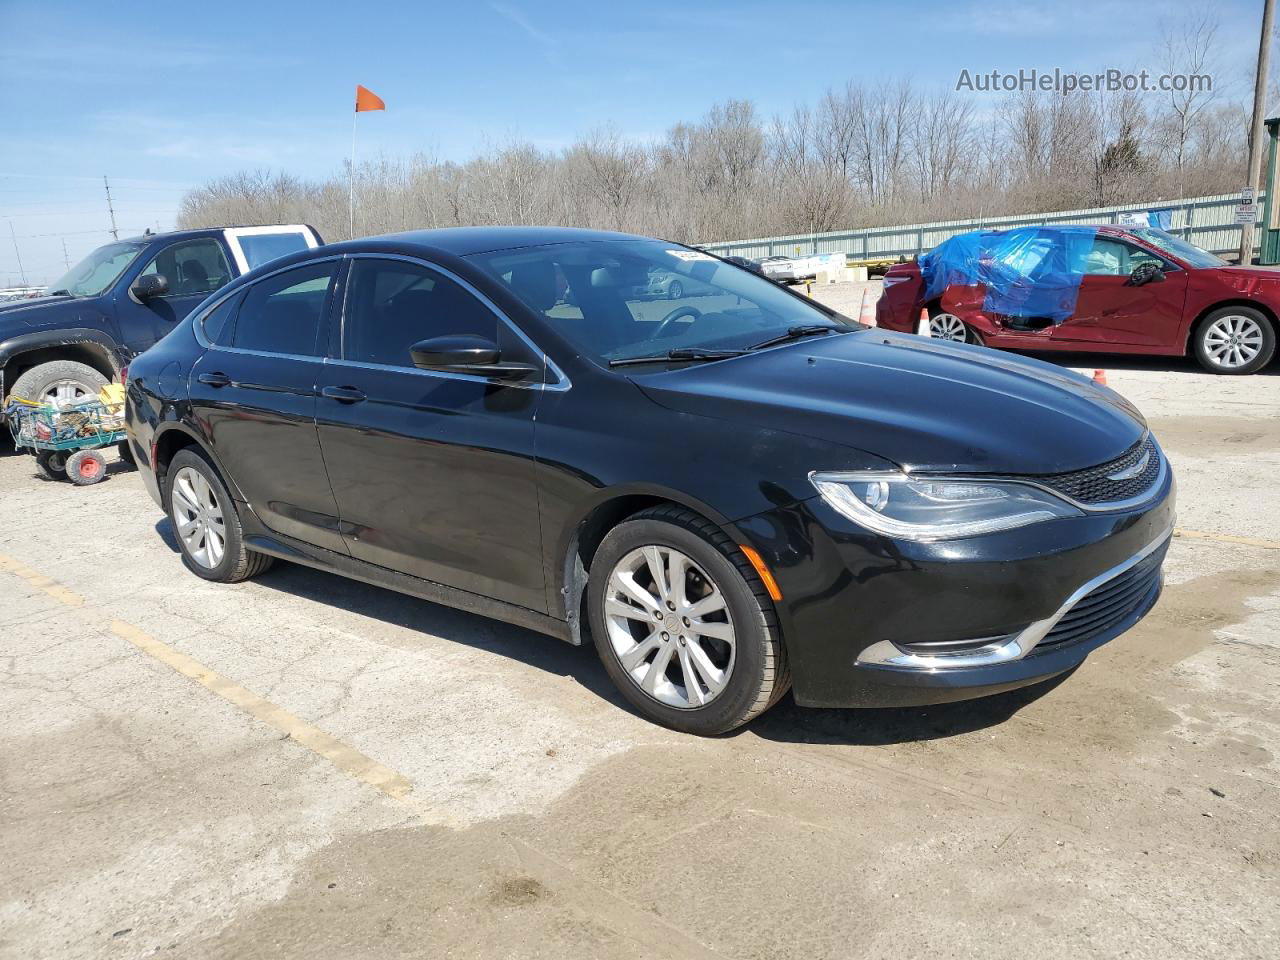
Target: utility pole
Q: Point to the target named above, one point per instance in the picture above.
(65, 259)
(21, 272)
(1255, 129)
(111, 209)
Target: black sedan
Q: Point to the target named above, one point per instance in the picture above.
(728, 496)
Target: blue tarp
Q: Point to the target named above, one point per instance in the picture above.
(1026, 272)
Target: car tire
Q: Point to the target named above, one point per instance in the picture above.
(675, 291)
(206, 522)
(86, 467)
(52, 464)
(64, 379)
(126, 453)
(745, 658)
(1234, 341)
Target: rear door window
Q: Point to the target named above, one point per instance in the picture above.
(284, 312)
(251, 247)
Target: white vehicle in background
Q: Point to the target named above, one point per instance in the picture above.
(786, 269)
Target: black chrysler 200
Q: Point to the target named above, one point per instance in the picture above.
(730, 495)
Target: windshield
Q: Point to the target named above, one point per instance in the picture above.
(98, 271)
(619, 299)
(1177, 247)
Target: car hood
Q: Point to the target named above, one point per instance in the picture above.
(926, 405)
(18, 313)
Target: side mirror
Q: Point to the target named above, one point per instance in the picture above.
(1145, 273)
(149, 285)
(466, 353)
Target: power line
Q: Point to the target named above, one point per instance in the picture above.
(74, 233)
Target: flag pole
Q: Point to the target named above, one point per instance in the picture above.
(351, 181)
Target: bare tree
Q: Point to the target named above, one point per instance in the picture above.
(859, 156)
(1187, 51)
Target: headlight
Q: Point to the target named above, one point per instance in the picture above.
(925, 508)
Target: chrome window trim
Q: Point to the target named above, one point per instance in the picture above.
(197, 323)
(885, 654)
(562, 380)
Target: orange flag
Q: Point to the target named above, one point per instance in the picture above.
(368, 100)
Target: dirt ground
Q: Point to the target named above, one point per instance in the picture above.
(307, 767)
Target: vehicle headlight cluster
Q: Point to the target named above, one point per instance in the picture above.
(933, 508)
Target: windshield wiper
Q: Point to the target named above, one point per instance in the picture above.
(798, 333)
(679, 353)
(58, 293)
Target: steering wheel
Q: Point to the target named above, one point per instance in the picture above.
(667, 326)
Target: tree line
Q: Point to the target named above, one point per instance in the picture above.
(865, 154)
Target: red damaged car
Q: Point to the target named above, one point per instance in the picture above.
(1104, 289)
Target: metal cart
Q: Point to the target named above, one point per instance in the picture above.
(67, 440)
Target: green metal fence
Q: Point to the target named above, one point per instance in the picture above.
(1208, 222)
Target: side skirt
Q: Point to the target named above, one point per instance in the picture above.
(320, 559)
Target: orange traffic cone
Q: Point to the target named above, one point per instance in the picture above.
(924, 321)
(868, 315)
(1100, 376)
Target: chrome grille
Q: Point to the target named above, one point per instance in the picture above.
(1109, 604)
(1093, 486)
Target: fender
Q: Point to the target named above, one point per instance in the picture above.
(167, 426)
(565, 571)
(63, 336)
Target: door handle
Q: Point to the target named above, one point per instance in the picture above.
(214, 379)
(343, 394)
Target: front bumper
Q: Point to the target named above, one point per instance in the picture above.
(873, 622)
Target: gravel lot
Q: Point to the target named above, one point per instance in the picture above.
(308, 767)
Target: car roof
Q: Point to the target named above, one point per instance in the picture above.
(201, 232)
(465, 241)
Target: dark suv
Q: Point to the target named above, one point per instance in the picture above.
(121, 299)
(729, 494)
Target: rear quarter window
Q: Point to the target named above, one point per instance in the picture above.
(218, 322)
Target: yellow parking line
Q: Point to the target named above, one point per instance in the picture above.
(347, 759)
(1227, 538)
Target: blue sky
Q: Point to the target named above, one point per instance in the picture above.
(160, 105)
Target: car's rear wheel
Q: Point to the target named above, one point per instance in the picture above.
(675, 291)
(58, 381)
(947, 326)
(206, 522)
(1235, 340)
(683, 624)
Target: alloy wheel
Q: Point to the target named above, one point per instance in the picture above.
(1233, 341)
(67, 391)
(669, 626)
(197, 516)
(947, 326)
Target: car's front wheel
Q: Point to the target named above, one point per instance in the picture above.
(1235, 340)
(206, 523)
(58, 381)
(683, 624)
